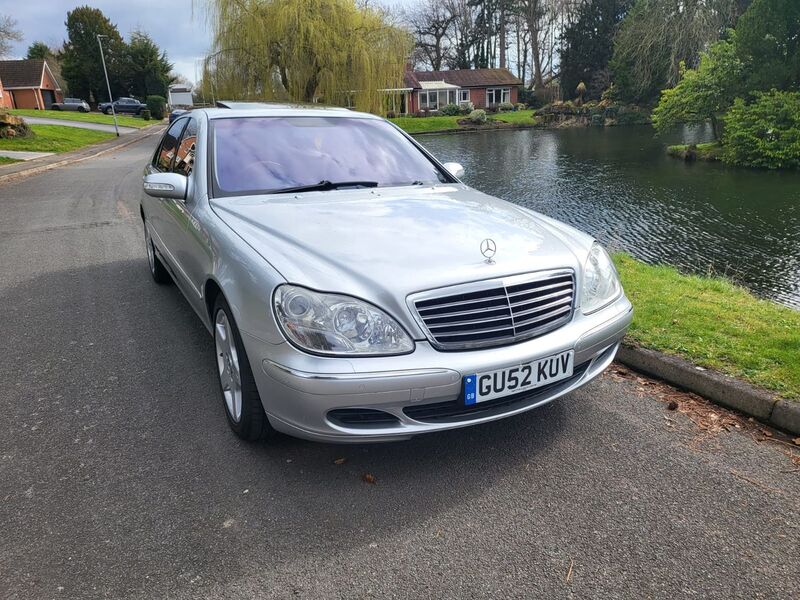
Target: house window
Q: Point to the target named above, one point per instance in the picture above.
(436, 99)
(495, 96)
(428, 100)
(463, 96)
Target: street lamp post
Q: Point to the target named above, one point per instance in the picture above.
(110, 97)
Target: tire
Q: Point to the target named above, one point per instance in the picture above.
(158, 271)
(106, 111)
(84, 110)
(240, 398)
(55, 107)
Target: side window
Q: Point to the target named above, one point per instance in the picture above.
(184, 157)
(169, 144)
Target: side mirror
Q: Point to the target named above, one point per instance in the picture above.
(455, 169)
(165, 185)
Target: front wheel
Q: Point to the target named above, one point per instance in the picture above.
(240, 397)
(106, 111)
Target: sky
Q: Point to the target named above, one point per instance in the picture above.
(173, 25)
(177, 26)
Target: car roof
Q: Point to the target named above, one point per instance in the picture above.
(270, 109)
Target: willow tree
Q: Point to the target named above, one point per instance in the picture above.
(304, 51)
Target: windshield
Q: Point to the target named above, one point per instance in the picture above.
(270, 154)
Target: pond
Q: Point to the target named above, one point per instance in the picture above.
(619, 185)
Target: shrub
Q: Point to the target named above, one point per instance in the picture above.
(520, 106)
(478, 116)
(466, 108)
(529, 99)
(157, 105)
(505, 107)
(450, 110)
(764, 133)
(146, 115)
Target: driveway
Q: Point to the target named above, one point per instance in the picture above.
(80, 124)
(119, 477)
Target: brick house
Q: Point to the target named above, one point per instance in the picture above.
(5, 97)
(28, 84)
(431, 90)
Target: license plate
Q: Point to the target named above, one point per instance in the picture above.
(489, 385)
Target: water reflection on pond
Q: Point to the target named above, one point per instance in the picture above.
(619, 185)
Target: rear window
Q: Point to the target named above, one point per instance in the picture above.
(268, 154)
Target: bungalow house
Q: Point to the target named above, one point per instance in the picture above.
(28, 84)
(5, 97)
(432, 90)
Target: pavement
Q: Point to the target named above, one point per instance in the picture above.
(20, 155)
(80, 124)
(120, 479)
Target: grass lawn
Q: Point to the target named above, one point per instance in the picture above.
(55, 138)
(7, 161)
(714, 324)
(707, 151)
(124, 121)
(517, 117)
(423, 124)
(443, 123)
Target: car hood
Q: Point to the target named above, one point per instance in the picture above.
(384, 244)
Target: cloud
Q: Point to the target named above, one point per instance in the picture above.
(174, 25)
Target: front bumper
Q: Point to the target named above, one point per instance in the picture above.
(306, 396)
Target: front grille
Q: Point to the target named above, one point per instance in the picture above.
(498, 312)
(362, 417)
(456, 411)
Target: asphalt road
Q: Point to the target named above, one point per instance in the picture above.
(119, 477)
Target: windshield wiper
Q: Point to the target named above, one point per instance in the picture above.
(325, 185)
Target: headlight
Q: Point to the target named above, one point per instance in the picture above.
(600, 281)
(336, 325)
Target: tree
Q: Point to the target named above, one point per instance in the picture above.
(40, 50)
(463, 35)
(82, 66)
(704, 93)
(53, 56)
(304, 50)
(765, 132)
(145, 69)
(768, 37)
(430, 22)
(8, 34)
(657, 36)
(587, 45)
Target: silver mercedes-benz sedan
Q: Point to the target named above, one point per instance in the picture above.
(356, 290)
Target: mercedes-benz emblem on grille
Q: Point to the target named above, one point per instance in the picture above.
(488, 249)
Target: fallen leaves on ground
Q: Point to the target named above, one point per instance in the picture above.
(711, 419)
(369, 478)
(340, 461)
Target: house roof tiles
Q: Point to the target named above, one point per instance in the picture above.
(464, 77)
(21, 73)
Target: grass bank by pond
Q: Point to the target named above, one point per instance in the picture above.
(55, 138)
(444, 123)
(711, 151)
(715, 324)
(123, 121)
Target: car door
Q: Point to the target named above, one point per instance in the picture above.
(188, 242)
(157, 209)
(192, 250)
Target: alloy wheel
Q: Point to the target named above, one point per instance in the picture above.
(228, 366)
